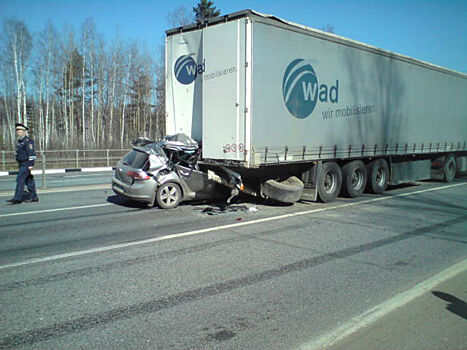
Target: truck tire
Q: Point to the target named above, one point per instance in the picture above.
(450, 168)
(330, 182)
(378, 176)
(354, 178)
(168, 195)
(287, 191)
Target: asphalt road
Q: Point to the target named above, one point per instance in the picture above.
(86, 270)
(8, 183)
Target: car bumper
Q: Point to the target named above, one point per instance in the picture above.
(141, 191)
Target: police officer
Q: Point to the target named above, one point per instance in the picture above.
(25, 156)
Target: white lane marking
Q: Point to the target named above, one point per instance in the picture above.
(84, 170)
(53, 210)
(88, 175)
(196, 232)
(353, 325)
(75, 175)
(51, 171)
(64, 180)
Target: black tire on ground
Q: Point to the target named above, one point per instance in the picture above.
(330, 182)
(450, 167)
(378, 176)
(354, 179)
(287, 191)
(168, 195)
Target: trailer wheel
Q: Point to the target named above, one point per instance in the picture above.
(354, 178)
(450, 168)
(329, 182)
(168, 195)
(378, 176)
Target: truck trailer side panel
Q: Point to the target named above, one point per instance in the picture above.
(317, 93)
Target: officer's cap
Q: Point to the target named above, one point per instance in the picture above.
(21, 127)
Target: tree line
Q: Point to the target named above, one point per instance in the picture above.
(74, 90)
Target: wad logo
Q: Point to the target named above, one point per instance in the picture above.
(186, 70)
(301, 90)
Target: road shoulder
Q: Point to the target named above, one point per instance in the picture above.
(431, 315)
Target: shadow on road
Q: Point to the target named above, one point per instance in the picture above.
(123, 202)
(456, 305)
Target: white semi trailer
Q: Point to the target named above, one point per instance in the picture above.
(271, 99)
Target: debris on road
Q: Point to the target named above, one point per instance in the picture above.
(223, 208)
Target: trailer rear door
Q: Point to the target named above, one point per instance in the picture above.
(224, 91)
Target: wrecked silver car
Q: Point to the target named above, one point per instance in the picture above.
(170, 171)
(167, 173)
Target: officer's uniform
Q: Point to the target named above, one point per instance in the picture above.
(25, 156)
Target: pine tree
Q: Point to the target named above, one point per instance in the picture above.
(205, 10)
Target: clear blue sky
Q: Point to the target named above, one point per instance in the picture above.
(433, 31)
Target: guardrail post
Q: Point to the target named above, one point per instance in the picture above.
(77, 161)
(3, 161)
(108, 160)
(43, 169)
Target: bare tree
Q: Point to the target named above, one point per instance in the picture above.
(70, 89)
(85, 29)
(115, 72)
(18, 49)
(101, 87)
(125, 94)
(179, 17)
(8, 122)
(46, 60)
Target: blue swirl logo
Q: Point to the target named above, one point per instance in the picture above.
(185, 69)
(300, 88)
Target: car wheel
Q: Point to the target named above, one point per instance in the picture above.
(168, 195)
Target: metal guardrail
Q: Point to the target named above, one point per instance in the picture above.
(59, 159)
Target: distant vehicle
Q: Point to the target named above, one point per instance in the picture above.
(303, 114)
